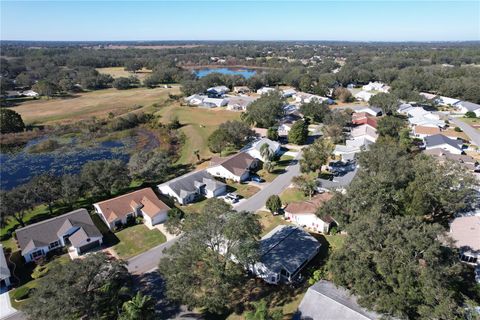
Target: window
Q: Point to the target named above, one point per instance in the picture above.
(37, 254)
(54, 244)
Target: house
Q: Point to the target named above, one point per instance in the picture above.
(195, 99)
(75, 229)
(373, 111)
(465, 232)
(340, 182)
(214, 102)
(29, 93)
(241, 89)
(4, 270)
(289, 92)
(265, 90)
(141, 203)
(236, 167)
(366, 131)
(284, 252)
(218, 91)
(363, 96)
(419, 116)
(465, 106)
(254, 149)
(325, 301)
(424, 131)
(376, 86)
(359, 118)
(466, 161)
(442, 142)
(303, 97)
(239, 103)
(189, 187)
(303, 213)
(440, 99)
(284, 128)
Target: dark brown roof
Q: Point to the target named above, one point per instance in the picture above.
(45, 232)
(236, 164)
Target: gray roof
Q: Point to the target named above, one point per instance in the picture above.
(470, 106)
(43, 233)
(325, 301)
(339, 181)
(439, 139)
(287, 247)
(190, 182)
(4, 271)
(274, 146)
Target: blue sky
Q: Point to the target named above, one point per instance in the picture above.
(352, 20)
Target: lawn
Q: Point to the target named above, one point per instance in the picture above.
(280, 166)
(137, 239)
(269, 221)
(292, 195)
(117, 72)
(474, 122)
(85, 105)
(242, 189)
(197, 125)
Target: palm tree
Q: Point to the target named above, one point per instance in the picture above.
(140, 307)
(265, 152)
(196, 152)
(269, 166)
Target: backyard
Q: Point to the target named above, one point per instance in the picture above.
(137, 239)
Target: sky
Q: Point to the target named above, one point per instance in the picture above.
(353, 20)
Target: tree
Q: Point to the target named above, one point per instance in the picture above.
(16, 203)
(388, 102)
(44, 88)
(105, 177)
(261, 312)
(265, 111)
(269, 166)
(316, 155)
(45, 189)
(152, 166)
(299, 132)
(10, 121)
(218, 141)
(103, 283)
(334, 133)
(470, 114)
(71, 189)
(198, 268)
(274, 204)
(174, 221)
(140, 307)
(133, 66)
(272, 133)
(315, 110)
(234, 134)
(124, 83)
(399, 267)
(306, 183)
(265, 152)
(390, 126)
(343, 94)
(196, 153)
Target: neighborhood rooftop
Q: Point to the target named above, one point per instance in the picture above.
(189, 183)
(236, 164)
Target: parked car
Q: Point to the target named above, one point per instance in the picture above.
(231, 198)
(256, 178)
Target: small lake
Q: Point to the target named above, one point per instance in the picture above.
(246, 73)
(20, 166)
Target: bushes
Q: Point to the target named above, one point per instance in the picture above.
(45, 146)
(457, 129)
(470, 114)
(129, 121)
(22, 293)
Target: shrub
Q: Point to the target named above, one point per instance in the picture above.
(138, 220)
(274, 203)
(21, 293)
(39, 271)
(457, 129)
(470, 114)
(45, 146)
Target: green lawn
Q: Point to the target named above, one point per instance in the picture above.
(243, 190)
(137, 239)
(269, 221)
(280, 166)
(471, 121)
(292, 195)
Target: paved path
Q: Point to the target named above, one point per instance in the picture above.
(471, 132)
(148, 260)
(258, 200)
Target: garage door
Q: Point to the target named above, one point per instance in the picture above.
(89, 246)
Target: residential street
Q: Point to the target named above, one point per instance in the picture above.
(280, 183)
(469, 130)
(148, 260)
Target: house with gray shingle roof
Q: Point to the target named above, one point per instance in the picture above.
(4, 270)
(439, 141)
(75, 229)
(465, 106)
(284, 252)
(191, 186)
(236, 167)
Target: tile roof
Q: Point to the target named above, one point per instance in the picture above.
(120, 206)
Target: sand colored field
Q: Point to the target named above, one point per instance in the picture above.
(117, 72)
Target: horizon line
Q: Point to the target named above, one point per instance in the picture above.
(246, 40)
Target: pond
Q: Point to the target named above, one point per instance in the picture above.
(246, 73)
(20, 166)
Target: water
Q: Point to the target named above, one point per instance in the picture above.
(246, 73)
(19, 167)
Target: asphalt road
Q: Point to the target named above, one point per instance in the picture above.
(471, 132)
(279, 184)
(148, 261)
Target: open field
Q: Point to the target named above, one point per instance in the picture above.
(197, 124)
(117, 72)
(86, 105)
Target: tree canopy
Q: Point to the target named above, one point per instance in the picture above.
(265, 111)
(10, 121)
(299, 132)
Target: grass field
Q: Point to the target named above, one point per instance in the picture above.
(197, 124)
(474, 122)
(137, 239)
(292, 195)
(95, 103)
(117, 72)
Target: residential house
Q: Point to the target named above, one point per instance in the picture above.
(303, 213)
(363, 96)
(141, 203)
(365, 131)
(265, 90)
(241, 89)
(254, 149)
(236, 167)
(446, 101)
(288, 92)
(465, 232)
(325, 301)
(218, 91)
(424, 131)
(359, 118)
(285, 124)
(417, 116)
(29, 93)
(440, 141)
(466, 161)
(372, 111)
(191, 186)
(284, 252)
(214, 102)
(376, 86)
(4, 270)
(303, 97)
(239, 103)
(75, 229)
(340, 182)
(465, 106)
(195, 99)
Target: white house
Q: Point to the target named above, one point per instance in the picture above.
(465, 106)
(236, 167)
(376, 86)
(254, 149)
(363, 96)
(141, 203)
(218, 90)
(75, 229)
(195, 99)
(303, 97)
(441, 100)
(241, 89)
(284, 252)
(30, 93)
(265, 90)
(442, 142)
(364, 131)
(4, 270)
(373, 111)
(239, 103)
(303, 213)
(214, 102)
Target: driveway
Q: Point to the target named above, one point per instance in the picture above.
(471, 132)
(148, 261)
(280, 183)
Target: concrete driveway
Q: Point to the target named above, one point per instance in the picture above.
(471, 132)
(148, 261)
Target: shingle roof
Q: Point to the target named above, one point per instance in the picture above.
(272, 145)
(236, 164)
(325, 301)
(439, 139)
(190, 182)
(465, 231)
(287, 247)
(470, 106)
(426, 130)
(4, 271)
(120, 206)
(308, 206)
(45, 232)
